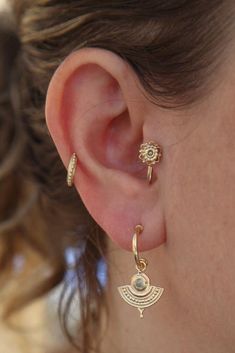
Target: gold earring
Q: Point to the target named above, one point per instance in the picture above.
(72, 169)
(150, 153)
(140, 293)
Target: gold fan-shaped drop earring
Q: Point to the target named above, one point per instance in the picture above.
(150, 153)
(140, 293)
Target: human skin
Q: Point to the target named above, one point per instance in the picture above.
(95, 108)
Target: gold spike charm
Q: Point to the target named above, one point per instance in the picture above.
(140, 293)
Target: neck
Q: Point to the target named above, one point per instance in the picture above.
(166, 327)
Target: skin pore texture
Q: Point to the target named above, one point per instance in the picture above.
(95, 108)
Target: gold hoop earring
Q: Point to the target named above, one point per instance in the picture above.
(140, 293)
(150, 153)
(71, 169)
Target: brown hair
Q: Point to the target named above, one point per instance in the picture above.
(176, 48)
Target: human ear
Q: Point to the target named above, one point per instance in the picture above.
(95, 108)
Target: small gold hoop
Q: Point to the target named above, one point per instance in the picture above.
(72, 169)
(141, 264)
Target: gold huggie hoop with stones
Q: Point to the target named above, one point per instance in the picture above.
(150, 153)
(72, 169)
(140, 293)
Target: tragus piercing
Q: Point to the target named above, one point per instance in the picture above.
(150, 153)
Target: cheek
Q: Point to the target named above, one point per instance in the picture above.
(200, 217)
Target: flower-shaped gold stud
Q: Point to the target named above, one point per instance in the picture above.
(150, 153)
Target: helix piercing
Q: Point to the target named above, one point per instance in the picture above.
(71, 169)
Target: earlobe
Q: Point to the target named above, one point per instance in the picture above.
(90, 111)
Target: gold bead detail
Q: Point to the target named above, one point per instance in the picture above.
(71, 169)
